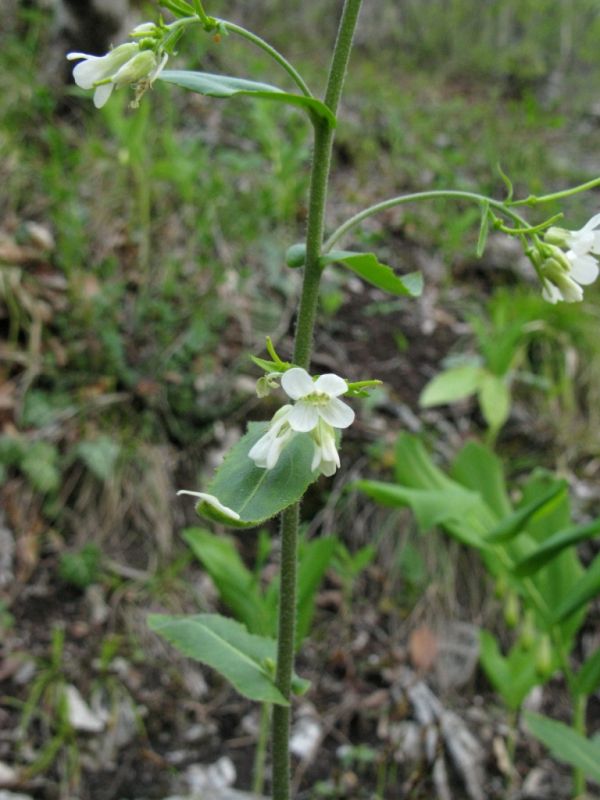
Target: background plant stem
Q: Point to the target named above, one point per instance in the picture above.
(323, 143)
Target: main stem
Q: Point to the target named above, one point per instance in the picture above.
(321, 164)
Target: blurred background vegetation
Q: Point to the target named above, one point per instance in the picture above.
(141, 260)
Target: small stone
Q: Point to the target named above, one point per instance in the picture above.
(8, 775)
(81, 716)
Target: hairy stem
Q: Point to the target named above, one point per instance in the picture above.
(307, 312)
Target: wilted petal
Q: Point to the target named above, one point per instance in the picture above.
(331, 384)
(296, 382)
(303, 417)
(213, 501)
(337, 413)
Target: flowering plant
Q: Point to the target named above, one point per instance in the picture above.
(268, 471)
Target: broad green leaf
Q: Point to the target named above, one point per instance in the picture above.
(100, 456)
(237, 586)
(368, 267)
(430, 507)
(587, 679)
(259, 494)
(516, 522)
(484, 228)
(555, 545)
(566, 744)
(494, 399)
(585, 590)
(477, 468)
(226, 646)
(512, 676)
(40, 465)
(415, 467)
(225, 86)
(451, 385)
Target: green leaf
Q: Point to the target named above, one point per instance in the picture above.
(451, 385)
(314, 560)
(477, 468)
(430, 507)
(516, 522)
(370, 269)
(587, 588)
(494, 399)
(179, 7)
(226, 646)
(238, 588)
(484, 228)
(587, 679)
(555, 545)
(39, 464)
(211, 85)
(259, 494)
(99, 456)
(566, 744)
(512, 676)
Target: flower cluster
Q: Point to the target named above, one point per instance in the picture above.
(317, 410)
(136, 63)
(567, 261)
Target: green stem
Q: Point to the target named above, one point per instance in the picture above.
(275, 54)
(323, 144)
(579, 709)
(533, 200)
(258, 783)
(416, 196)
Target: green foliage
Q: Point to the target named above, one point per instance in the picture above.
(226, 86)
(247, 661)
(259, 494)
(241, 591)
(566, 745)
(368, 267)
(100, 456)
(528, 549)
(81, 569)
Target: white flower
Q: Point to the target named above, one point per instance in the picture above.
(317, 411)
(213, 501)
(316, 400)
(126, 64)
(266, 451)
(583, 247)
(326, 457)
(558, 278)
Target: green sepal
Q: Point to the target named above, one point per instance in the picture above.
(178, 7)
(211, 85)
(268, 366)
(258, 494)
(368, 267)
(226, 646)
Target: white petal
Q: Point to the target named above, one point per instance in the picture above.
(77, 56)
(102, 94)
(337, 413)
(331, 384)
(316, 458)
(212, 501)
(86, 73)
(296, 382)
(303, 417)
(584, 268)
(550, 293)
(260, 450)
(154, 75)
(328, 468)
(592, 223)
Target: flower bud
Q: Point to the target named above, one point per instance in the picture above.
(137, 68)
(512, 609)
(557, 236)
